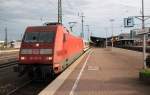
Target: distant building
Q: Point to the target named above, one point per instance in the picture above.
(15, 44)
(135, 34)
(124, 36)
(2, 43)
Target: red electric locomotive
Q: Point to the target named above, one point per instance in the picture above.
(48, 50)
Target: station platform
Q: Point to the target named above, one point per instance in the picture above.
(103, 72)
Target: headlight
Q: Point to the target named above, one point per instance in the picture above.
(26, 51)
(45, 51)
(22, 58)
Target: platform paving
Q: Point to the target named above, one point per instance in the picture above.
(106, 72)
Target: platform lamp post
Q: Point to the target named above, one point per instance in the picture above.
(6, 39)
(81, 15)
(144, 35)
(106, 29)
(112, 30)
(88, 29)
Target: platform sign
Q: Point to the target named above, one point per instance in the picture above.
(129, 22)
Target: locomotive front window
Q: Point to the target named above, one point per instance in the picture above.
(46, 37)
(39, 37)
(31, 37)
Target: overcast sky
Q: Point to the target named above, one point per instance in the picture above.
(16, 15)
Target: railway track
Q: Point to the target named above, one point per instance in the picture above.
(8, 64)
(29, 88)
(25, 87)
(17, 88)
(8, 54)
(8, 57)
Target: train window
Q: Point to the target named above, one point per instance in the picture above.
(46, 37)
(39, 37)
(31, 37)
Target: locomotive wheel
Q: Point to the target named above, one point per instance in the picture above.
(52, 75)
(35, 73)
(41, 73)
(30, 74)
(47, 73)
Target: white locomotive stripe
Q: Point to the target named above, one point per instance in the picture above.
(79, 76)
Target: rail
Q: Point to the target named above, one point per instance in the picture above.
(23, 85)
(8, 64)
